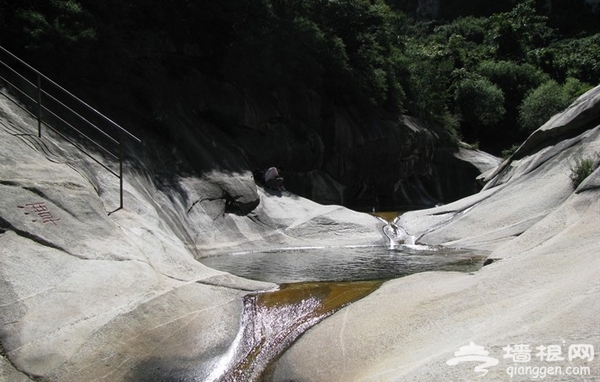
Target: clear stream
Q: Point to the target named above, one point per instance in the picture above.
(314, 284)
(343, 264)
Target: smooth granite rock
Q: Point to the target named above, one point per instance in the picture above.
(542, 287)
(89, 291)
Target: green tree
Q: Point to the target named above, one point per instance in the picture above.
(368, 31)
(516, 81)
(572, 17)
(575, 57)
(479, 105)
(514, 33)
(429, 67)
(56, 25)
(546, 100)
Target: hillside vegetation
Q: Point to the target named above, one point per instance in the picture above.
(487, 80)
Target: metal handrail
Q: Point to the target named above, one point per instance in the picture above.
(70, 112)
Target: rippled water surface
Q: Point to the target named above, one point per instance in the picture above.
(343, 263)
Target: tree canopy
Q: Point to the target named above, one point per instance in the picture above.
(486, 79)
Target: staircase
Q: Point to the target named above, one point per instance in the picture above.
(55, 108)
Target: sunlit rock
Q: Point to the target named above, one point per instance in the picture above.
(89, 291)
(541, 290)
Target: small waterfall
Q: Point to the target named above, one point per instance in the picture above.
(272, 321)
(396, 234)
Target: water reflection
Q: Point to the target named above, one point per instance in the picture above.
(344, 263)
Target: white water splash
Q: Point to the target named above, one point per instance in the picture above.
(396, 234)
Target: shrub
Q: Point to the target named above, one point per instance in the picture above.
(573, 88)
(515, 80)
(541, 104)
(581, 169)
(506, 153)
(471, 28)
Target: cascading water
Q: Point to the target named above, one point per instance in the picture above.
(314, 284)
(397, 235)
(272, 321)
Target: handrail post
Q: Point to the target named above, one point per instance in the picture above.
(121, 169)
(39, 104)
(52, 100)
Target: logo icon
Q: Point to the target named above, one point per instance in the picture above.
(473, 353)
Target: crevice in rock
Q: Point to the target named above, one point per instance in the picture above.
(490, 260)
(5, 226)
(445, 212)
(454, 215)
(201, 201)
(232, 205)
(543, 140)
(257, 219)
(36, 191)
(214, 281)
(4, 354)
(587, 188)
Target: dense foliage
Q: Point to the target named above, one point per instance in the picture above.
(490, 80)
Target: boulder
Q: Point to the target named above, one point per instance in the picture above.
(541, 289)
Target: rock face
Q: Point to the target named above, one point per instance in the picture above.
(542, 289)
(453, 172)
(88, 292)
(360, 157)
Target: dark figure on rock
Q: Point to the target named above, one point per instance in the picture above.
(273, 179)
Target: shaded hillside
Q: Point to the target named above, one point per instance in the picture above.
(352, 99)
